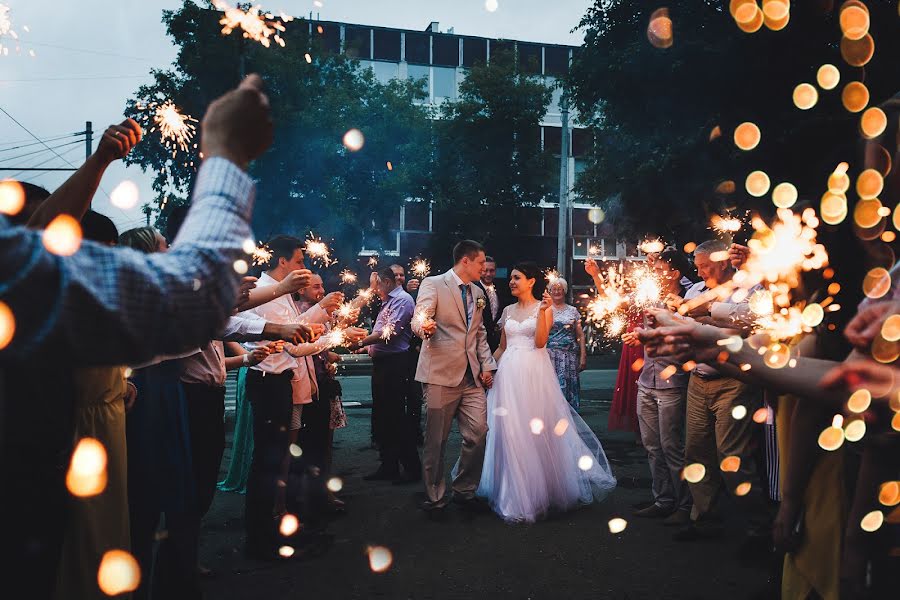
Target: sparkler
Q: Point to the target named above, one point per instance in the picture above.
(421, 268)
(257, 26)
(348, 277)
(552, 276)
(318, 251)
(365, 294)
(652, 246)
(176, 130)
(373, 261)
(261, 254)
(727, 224)
(345, 311)
(6, 30)
(420, 318)
(388, 330)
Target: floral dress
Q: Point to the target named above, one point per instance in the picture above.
(565, 352)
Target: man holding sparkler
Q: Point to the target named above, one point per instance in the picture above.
(712, 432)
(456, 366)
(389, 348)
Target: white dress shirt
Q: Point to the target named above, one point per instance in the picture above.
(283, 311)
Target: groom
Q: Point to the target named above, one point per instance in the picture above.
(456, 366)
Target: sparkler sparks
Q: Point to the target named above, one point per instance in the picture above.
(318, 251)
(373, 261)
(175, 128)
(652, 246)
(261, 255)
(421, 268)
(348, 277)
(727, 224)
(7, 30)
(552, 276)
(388, 330)
(257, 26)
(420, 318)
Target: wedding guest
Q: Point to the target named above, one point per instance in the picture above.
(566, 343)
(388, 345)
(50, 296)
(493, 308)
(662, 393)
(241, 440)
(98, 523)
(411, 286)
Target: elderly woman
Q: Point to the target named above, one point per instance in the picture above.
(566, 343)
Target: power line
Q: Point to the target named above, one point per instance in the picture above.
(50, 139)
(28, 131)
(42, 150)
(44, 162)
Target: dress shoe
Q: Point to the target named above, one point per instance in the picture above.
(382, 475)
(679, 518)
(654, 511)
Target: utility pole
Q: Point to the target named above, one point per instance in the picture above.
(564, 212)
(88, 139)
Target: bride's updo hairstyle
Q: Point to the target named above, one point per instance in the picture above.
(531, 271)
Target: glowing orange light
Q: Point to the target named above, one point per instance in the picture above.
(828, 77)
(12, 197)
(760, 415)
(689, 366)
(872, 521)
(7, 325)
(743, 489)
(855, 430)
(869, 184)
(354, 140)
(380, 559)
(854, 22)
(833, 208)
(730, 464)
(617, 525)
(867, 213)
(667, 373)
(890, 329)
(805, 96)
(812, 315)
(832, 437)
(857, 53)
(691, 246)
(747, 136)
(855, 96)
(715, 134)
(884, 351)
(289, 525)
(889, 493)
(757, 184)
(739, 412)
(877, 283)
(784, 195)
(659, 31)
(63, 235)
(694, 473)
(726, 187)
(637, 365)
(119, 573)
(749, 18)
(537, 426)
(873, 122)
(87, 470)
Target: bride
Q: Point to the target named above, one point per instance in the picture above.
(540, 455)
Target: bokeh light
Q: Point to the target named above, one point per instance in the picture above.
(855, 96)
(12, 197)
(857, 53)
(747, 136)
(380, 559)
(86, 476)
(694, 472)
(119, 573)
(757, 184)
(873, 122)
(805, 96)
(7, 325)
(62, 236)
(784, 195)
(617, 525)
(828, 77)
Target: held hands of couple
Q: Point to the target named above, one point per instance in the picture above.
(487, 379)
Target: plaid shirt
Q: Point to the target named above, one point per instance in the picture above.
(107, 305)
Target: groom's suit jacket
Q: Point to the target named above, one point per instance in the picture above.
(454, 346)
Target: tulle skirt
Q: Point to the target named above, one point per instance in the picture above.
(541, 456)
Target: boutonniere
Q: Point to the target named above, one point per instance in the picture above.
(480, 303)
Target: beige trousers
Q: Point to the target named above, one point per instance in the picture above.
(467, 403)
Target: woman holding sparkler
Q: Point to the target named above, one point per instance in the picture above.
(540, 455)
(566, 343)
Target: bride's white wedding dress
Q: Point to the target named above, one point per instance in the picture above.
(541, 456)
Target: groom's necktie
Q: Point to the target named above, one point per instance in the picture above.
(463, 288)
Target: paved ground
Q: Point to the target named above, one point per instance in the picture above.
(478, 556)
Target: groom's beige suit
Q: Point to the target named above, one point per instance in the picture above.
(450, 365)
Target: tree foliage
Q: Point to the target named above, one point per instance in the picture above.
(653, 110)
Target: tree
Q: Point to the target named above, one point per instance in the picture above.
(653, 110)
(308, 179)
(489, 160)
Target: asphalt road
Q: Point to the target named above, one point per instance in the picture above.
(478, 556)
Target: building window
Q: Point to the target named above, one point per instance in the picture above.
(445, 82)
(529, 221)
(416, 216)
(445, 50)
(329, 36)
(421, 73)
(581, 166)
(556, 60)
(384, 71)
(582, 140)
(581, 225)
(530, 59)
(553, 140)
(418, 48)
(387, 45)
(357, 42)
(501, 47)
(551, 222)
(474, 51)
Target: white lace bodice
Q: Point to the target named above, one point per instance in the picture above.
(520, 334)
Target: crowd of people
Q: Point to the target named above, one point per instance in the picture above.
(141, 336)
